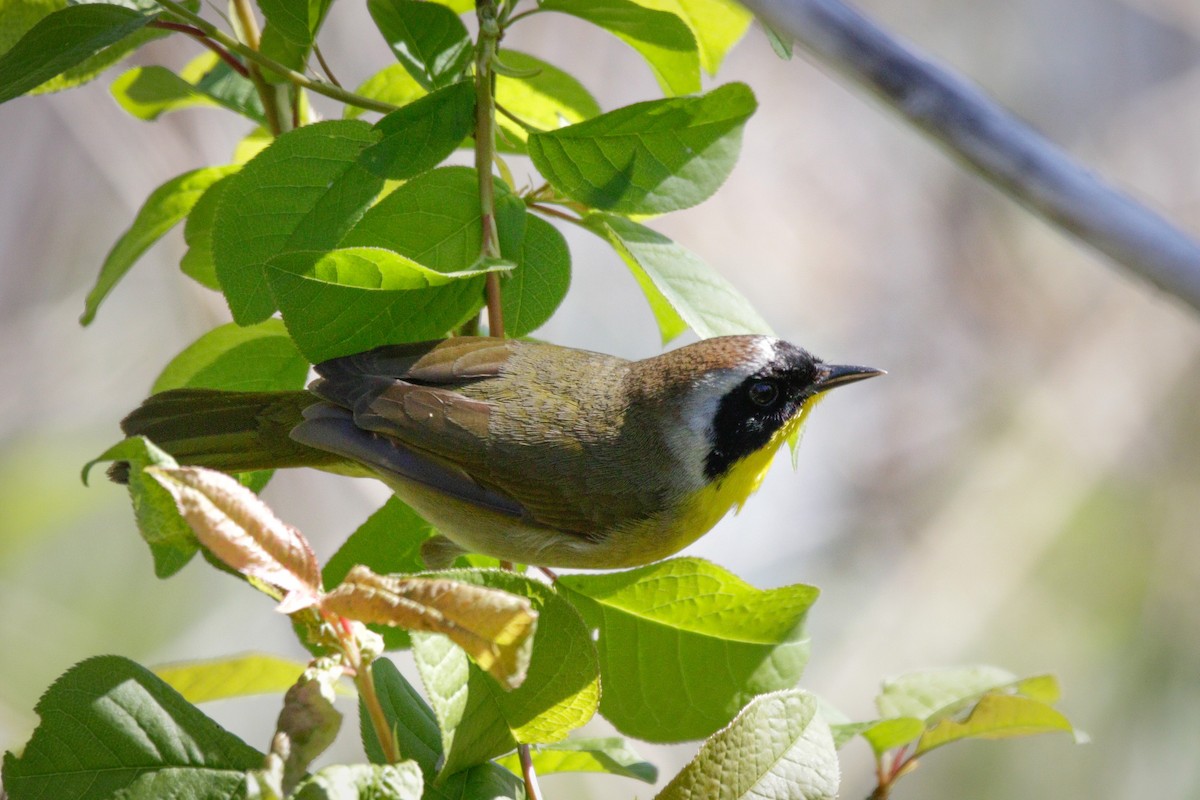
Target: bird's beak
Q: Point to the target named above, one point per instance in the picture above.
(831, 375)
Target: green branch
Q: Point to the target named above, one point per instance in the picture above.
(298, 78)
(485, 151)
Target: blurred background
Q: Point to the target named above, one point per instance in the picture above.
(1022, 489)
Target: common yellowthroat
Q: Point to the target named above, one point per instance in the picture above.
(525, 451)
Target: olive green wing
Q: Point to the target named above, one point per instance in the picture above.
(426, 413)
(400, 410)
(425, 396)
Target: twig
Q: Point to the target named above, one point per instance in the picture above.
(320, 87)
(200, 37)
(1001, 148)
(485, 150)
(325, 67)
(531, 785)
(520, 122)
(554, 212)
(277, 122)
(364, 681)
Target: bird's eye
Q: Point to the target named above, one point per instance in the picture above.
(763, 393)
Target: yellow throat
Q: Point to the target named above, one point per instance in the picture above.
(733, 489)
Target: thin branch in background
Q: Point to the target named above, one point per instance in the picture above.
(325, 67)
(527, 772)
(520, 122)
(993, 142)
(199, 36)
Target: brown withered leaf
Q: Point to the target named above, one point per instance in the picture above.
(242, 531)
(495, 628)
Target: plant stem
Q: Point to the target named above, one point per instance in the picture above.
(531, 785)
(364, 681)
(522, 15)
(325, 67)
(203, 39)
(522, 123)
(485, 152)
(554, 212)
(277, 123)
(300, 79)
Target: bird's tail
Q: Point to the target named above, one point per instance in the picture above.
(229, 431)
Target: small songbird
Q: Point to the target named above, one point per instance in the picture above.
(525, 451)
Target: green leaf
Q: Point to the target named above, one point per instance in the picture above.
(109, 726)
(533, 291)
(165, 206)
(349, 300)
(231, 676)
(217, 79)
(433, 220)
(921, 694)
(885, 734)
(63, 40)
(547, 100)
(252, 144)
(197, 262)
(648, 158)
(936, 707)
(777, 747)
(411, 718)
(388, 542)
(291, 31)
(171, 541)
(845, 731)
(478, 719)
(1040, 687)
(418, 737)
(392, 84)
(662, 38)
(429, 40)
(611, 755)
(93, 66)
(301, 193)
(681, 289)
(256, 358)
(684, 616)
(363, 782)
(149, 92)
(716, 24)
(486, 781)
(21, 15)
(417, 137)
(296, 20)
(997, 715)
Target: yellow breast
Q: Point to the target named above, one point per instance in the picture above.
(731, 490)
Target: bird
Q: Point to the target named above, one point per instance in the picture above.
(526, 451)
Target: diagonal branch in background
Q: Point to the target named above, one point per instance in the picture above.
(1001, 148)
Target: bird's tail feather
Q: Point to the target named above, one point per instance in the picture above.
(229, 431)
